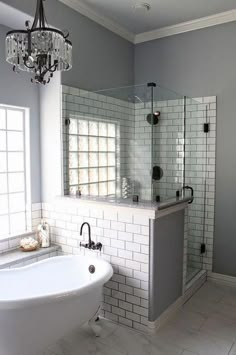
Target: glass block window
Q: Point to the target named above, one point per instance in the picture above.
(92, 157)
(12, 171)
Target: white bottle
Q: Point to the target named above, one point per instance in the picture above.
(44, 234)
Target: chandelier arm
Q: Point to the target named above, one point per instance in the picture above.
(55, 65)
(51, 69)
(66, 34)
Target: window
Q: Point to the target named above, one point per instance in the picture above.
(12, 170)
(92, 157)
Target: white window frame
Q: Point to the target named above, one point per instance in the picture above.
(27, 171)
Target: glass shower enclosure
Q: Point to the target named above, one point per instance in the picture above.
(137, 143)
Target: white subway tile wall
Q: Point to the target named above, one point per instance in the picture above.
(126, 294)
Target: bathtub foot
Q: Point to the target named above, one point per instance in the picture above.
(94, 326)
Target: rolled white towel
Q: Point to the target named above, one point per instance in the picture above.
(29, 243)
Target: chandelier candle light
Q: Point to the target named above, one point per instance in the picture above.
(40, 50)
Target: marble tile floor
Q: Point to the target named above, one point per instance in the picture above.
(205, 326)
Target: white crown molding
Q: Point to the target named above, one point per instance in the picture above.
(204, 22)
(209, 21)
(85, 10)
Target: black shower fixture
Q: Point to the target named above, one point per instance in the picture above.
(153, 118)
(157, 173)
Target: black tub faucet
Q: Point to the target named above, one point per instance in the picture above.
(89, 232)
(90, 244)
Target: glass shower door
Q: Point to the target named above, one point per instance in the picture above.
(107, 142)
(135, 149)
(168, 144)
(195, 176)
(142, 152)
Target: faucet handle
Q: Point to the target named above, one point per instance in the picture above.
(84, 245)
(99, 246)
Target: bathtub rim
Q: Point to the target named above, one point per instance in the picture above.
(8, 304)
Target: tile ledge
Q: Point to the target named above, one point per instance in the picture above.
(15, 256)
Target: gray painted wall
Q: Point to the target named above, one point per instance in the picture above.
(101, 58)
(166, 262)
(17, 90)
(202, 63)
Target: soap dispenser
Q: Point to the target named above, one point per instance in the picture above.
(44, 234)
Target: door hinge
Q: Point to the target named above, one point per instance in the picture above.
(203, 248)
(67, 121)
(206, 127)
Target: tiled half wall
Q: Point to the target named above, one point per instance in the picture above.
(124, 233)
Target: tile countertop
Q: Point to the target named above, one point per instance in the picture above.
(15, 256)
(155, 209)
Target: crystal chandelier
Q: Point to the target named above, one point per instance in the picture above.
(40, 50)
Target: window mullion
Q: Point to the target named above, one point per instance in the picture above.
(88, 170)
(98, 161)
(8, 195)
(24, 168)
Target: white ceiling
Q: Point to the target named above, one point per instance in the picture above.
(166, 17)
(163, 12)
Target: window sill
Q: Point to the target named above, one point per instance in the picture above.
(18, 235)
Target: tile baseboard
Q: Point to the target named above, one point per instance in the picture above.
(220, 278)
(170, 312)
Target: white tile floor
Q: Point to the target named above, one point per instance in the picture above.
(205, 326)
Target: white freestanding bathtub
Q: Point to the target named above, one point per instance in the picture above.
(42, 302)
